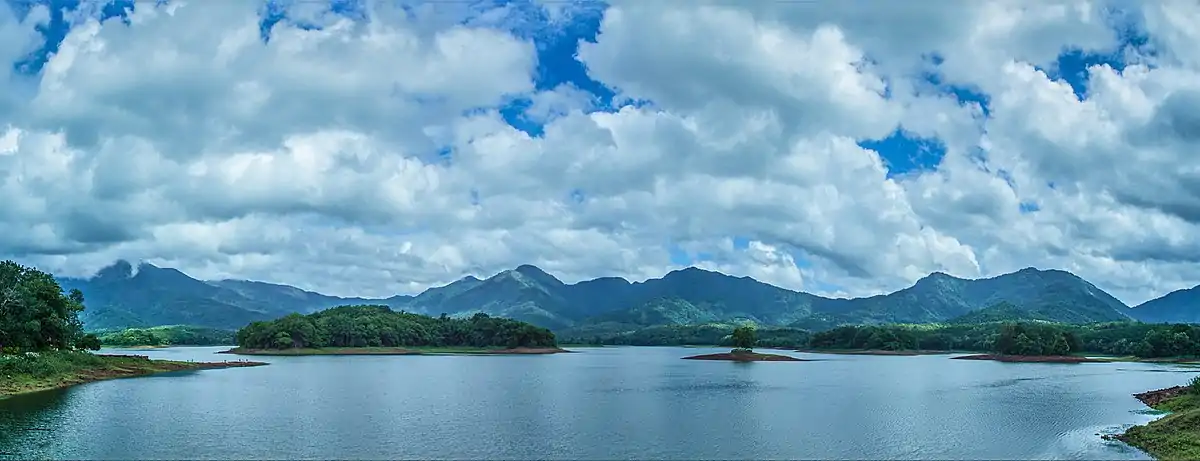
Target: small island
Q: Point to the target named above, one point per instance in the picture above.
(743, 343)
(378, 330)
(1174, 436)
(58, 353)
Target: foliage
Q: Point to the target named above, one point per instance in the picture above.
(1174, 436)
(1021, 338)
(1035, 339)
(173, 335)
(35, 314)
(46, 364)
(379, 326)
(1194, 385)
(693, 335)
(743, 337)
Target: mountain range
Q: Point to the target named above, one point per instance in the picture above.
(124, 295)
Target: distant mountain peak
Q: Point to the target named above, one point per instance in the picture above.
(118, 270)
(692, 271)
(528, 272)
(529, 269)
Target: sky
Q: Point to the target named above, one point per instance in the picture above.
(843, 148)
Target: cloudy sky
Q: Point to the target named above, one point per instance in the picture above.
(378, 147)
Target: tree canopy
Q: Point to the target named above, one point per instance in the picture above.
(744, 337)
(35, 314)
(171, 335)
(379, 326)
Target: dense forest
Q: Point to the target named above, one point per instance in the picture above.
(696, 335)
(173, 335)
(35, 314)
(379, 326)
(1021, 338)
(1007, 337)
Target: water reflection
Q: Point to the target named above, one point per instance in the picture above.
(611, 403)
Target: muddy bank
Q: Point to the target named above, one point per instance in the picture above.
(746, 357)
(1032, 358)
(394, 351)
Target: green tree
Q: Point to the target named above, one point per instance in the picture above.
(744, 337)
(35, 314)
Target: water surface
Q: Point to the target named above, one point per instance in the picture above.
(604, 403)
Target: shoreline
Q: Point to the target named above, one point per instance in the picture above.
(746, 357)
(903, 353)
(1032, 358)
(297, 352)
(1173, 436)
(114, 366)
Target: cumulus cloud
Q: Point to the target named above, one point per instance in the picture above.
(376, 152)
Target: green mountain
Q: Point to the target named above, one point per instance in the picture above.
(1054, 294)
(124, 296)
(1180, 306)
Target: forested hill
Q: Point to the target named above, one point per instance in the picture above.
(379, 326)
(124, 296)
(1181, 306)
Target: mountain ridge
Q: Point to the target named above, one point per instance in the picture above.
(145, 295)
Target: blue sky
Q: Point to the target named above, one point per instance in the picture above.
(557, 43)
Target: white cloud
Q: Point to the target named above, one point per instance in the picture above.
(370, 157)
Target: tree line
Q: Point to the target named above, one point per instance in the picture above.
(694, 335)
(1137, 339)
(174, 335)
(35, 314)
(379, 326)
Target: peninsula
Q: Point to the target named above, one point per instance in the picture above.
(23, 374)
(1176, 435)
(56, 352)
(378, 330)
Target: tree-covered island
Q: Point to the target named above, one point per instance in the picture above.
(744, 339)
(43, 345)
(378, 330)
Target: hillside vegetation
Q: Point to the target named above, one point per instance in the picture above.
(171, 335)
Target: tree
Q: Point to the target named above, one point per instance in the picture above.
(35, 314)
(744, 337)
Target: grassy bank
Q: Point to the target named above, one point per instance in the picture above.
(1175, 436)
(22, 374)
(395, 351)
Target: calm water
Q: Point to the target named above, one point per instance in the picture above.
(608, 403)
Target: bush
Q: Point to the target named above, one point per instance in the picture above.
(47, 364)
(1194, 385)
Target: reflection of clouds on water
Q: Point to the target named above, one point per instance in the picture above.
(1088, 443)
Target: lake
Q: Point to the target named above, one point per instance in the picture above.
(600, 403)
